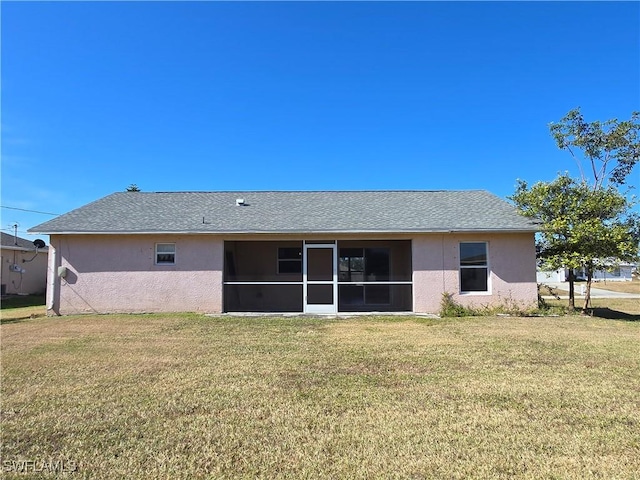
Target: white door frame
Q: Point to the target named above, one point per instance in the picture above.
(321, 308)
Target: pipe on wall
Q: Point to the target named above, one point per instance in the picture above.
(52, 279)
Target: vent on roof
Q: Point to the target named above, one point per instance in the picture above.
(240, 202)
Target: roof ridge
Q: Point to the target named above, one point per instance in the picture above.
(320, 191)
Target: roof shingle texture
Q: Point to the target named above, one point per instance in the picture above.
(292, 212)
(16, 242)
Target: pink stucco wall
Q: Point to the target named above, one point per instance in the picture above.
(117, 273)
(436, 270)
(34, 278)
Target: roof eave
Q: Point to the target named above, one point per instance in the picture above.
(23, 249)
(293, 232)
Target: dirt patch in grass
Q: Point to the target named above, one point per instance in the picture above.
(184, 396)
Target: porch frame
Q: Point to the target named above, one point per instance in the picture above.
(334, 245)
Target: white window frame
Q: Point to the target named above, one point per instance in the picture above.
(165, 253)
(486, 266)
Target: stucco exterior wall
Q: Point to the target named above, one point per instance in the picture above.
(436, 263)
(34, 278)
(117, 273)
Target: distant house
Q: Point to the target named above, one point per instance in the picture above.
(24, 266)
(616, 272)
(305, 252)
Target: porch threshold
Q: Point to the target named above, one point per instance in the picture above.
(322, 315)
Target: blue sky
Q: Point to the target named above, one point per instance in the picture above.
(299, 95)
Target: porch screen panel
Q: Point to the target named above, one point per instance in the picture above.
(319, 264)
(375, 298)
(374, 275)
(374, 261)
(263, 261)
(262, 298)
(320, 294)
(263, 276)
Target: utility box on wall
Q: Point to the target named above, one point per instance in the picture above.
(24, 266)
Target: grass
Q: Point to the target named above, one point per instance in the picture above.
(18, 301)
(607, 308)
(624, 287)
(18, 307)
(551, 291)
(186, 396)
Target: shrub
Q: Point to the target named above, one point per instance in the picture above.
(450, 308)
(507, 306)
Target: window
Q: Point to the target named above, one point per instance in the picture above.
(289, 260)
(165, 253)
(351, 265)
(474, 267)
(364, 264)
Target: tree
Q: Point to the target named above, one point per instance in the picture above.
(133, 188)
(584, 226)
(580, 226)
(610, 149)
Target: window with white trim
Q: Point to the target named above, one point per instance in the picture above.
(165, 253)
(474, 267)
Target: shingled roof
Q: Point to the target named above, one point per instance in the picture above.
(292, 212)
(16, 243)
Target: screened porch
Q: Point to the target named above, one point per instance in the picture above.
(323, 277)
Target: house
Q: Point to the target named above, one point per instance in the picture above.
(615, 272)
(24, 265)
(306, 252)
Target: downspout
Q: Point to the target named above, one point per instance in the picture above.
(52, 279)
(444, 283)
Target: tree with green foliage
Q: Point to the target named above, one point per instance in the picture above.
(610, 149)
(587, 223)
(581, 227)
(133, 188)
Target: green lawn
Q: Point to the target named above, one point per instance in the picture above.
(11, 302)
(185, 396)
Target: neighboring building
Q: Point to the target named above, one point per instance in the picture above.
(616, 272)
(622, 272)
(306, 252)
(24, 267)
